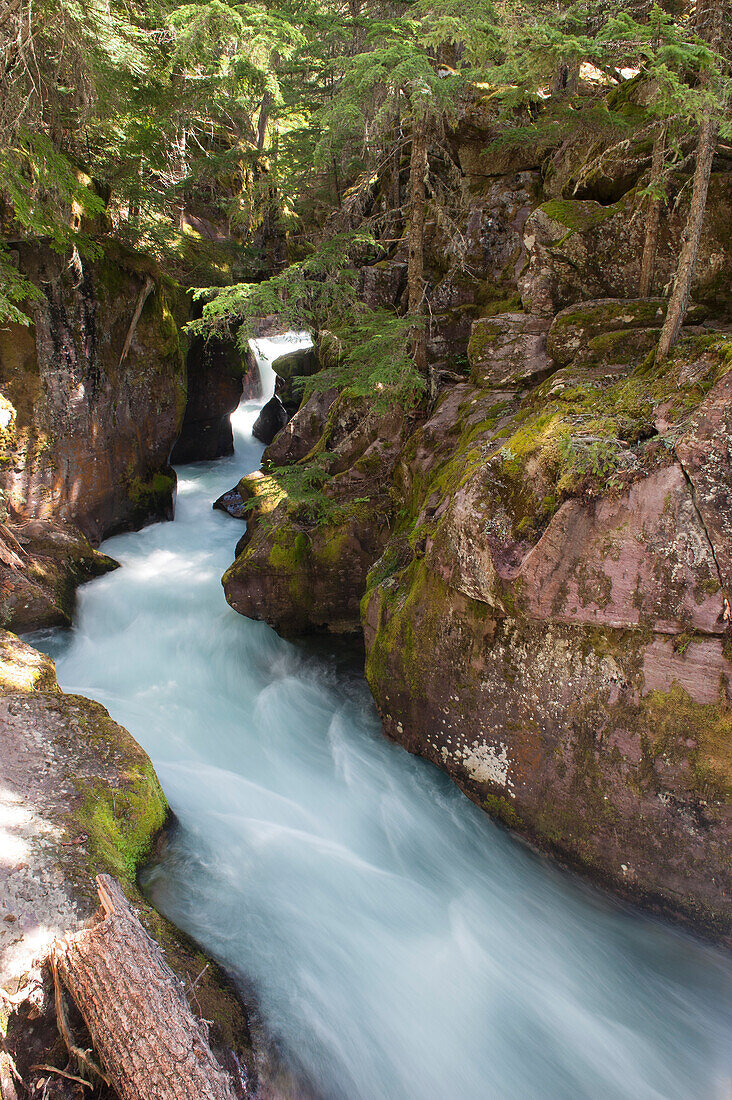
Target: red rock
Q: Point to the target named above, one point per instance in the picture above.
(644, 559)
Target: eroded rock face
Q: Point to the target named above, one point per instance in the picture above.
(548, 619)
(562, 648)
(52, 559)
(642, 559)
(706, 459)
(86, 433)
(216, 372)
(579, 249)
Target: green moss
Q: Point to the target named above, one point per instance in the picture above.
(680, 729)
(502, 809)
(153, 496)
(123, 822)
(578, 214)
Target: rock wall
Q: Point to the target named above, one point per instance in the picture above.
(554, 631)
(87, 428)
(88, 432)
(548, 618)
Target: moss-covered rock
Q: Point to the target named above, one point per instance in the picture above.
(81, 794)
(579, 249)
(41, 591)
(79, 797)
(547, 621)
(509, 349)
(316, 525)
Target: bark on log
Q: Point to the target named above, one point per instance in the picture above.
(148, 1040)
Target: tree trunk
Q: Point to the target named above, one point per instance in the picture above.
(566, 77)
(415, 266)
(181, 148)
(681, 292)
(143, 296)
(151, 1045)
(264, 109)
(650, 244)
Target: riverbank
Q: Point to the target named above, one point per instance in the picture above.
(397, 942)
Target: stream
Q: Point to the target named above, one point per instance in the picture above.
(399, 944)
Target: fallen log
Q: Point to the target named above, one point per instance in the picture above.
(150, 1044)
(143, 296)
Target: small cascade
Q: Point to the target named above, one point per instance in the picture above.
(268, 348)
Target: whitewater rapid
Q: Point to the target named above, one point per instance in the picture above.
(399, 944)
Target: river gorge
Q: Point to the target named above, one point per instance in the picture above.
(397, 942)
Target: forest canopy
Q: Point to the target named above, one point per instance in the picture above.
(235, 141)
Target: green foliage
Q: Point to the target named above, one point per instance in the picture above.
(365, 351)
(650, 69)
(597, 458)
(369, 357)
(14, 288)
(304, 487)
(305, 294)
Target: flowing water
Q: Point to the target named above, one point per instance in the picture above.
(400, 945)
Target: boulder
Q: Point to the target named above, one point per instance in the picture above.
(611, 330)
(231, 502)
(509, 350)
(383, 284)
(574, 327)
(578, 249)
(300, 363)
(54, 559)
(302, 432)
(317, 527)
(271, 419)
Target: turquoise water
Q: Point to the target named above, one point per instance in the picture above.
(400, 945)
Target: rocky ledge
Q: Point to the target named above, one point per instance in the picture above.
(79, 797)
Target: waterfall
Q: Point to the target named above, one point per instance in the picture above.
(268, 348)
